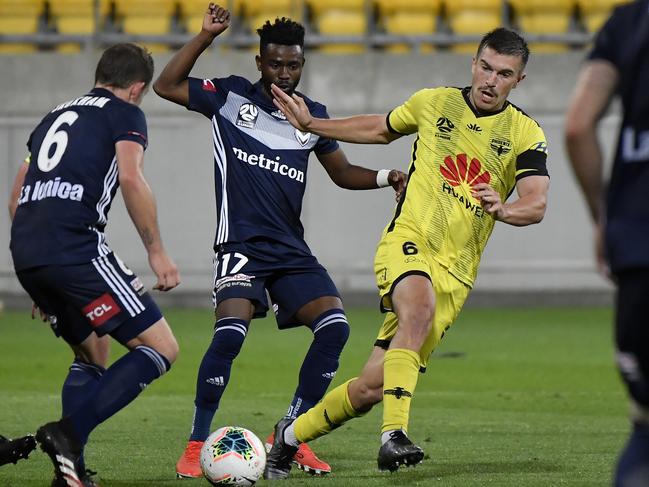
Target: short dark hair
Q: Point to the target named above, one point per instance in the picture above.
(122, 65)
(284, 32)
(505, 41)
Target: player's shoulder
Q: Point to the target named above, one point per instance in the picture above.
(429, 94)
(523, 117)
(120, 109)
(232, 82)
(629, 14)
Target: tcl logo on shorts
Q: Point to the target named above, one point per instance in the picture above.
(101, 310)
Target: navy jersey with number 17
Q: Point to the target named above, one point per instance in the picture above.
(72, 179)
(260, 161)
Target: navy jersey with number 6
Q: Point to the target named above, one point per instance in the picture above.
(260, 160)
(72, 179)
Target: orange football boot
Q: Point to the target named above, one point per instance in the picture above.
(189, 463)
(305, 459)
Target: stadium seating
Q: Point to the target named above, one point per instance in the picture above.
(408, 17)
(544, 17)
(257, 12)
(146, 17)
(77, 17)
(473, 17)
(340, 18)
(19, 17)
(595, 12)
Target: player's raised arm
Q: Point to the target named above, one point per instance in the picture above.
(360, 129)
(141, 207)
(594, 89)
(172, 84)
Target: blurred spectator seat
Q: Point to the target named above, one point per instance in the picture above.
(595, 12)
(408, 17)
(146, 17)
(77, 17)
(257, 12)
(544, 17)
(19, 17)
(473, 17)
(340, 18)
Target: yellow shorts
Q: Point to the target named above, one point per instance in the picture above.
(399, 255)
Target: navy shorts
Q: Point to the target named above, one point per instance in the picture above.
(290, 276)
(103, 296)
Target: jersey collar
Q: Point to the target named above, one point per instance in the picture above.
(477, 113)
(102, 92)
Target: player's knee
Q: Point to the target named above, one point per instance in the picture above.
(229, 335)
(334, 336)
(417, 317)
(170, 349)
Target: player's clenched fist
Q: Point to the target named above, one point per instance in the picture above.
(216, 20)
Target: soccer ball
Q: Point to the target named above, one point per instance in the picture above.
(233, 456)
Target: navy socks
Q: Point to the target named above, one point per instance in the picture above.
(330, 333)
(214, 373)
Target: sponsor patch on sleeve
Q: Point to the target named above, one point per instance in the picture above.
(208, 85)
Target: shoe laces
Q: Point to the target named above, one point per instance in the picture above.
(193, 451)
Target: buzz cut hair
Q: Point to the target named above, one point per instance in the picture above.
(505, 41)
(284, 32)
(122, 65)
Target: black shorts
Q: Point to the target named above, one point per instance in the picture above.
(292, 278)
(103, 296)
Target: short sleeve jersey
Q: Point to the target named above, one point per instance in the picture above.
(72, 179)
(624, 42)
(260, 160)
(455, 149)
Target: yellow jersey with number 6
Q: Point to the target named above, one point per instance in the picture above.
(455, 149)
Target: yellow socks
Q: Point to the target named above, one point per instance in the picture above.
(400, 373)
(334, 410)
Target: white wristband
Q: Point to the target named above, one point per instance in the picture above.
(382, 178)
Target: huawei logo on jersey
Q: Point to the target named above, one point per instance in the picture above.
(208, 85)
(457, 172)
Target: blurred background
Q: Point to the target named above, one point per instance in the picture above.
(363, 56)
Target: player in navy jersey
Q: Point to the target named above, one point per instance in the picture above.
(260, 175)
(619, 65)
(80, 153)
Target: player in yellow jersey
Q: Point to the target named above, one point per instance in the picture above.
(472, 149)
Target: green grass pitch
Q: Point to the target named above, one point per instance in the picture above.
(511, 398)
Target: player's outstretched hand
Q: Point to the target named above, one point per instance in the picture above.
(490, 200)
(293, 107)
(43, 316)
(165, 269)
(600, 253)
(398, 181)
(216, 19)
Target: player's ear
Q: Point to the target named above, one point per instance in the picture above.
(521, 77)
(258, 61)
(137, 91)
